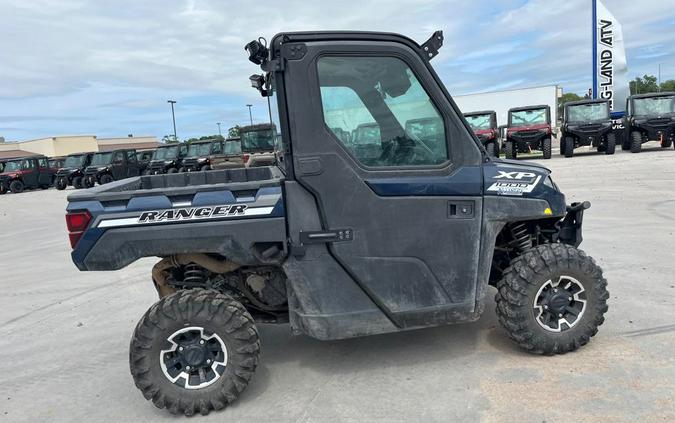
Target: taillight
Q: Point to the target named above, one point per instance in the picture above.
(246, 156)
(77, 222)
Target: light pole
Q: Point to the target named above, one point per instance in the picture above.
(173, 117)
(658, 83)
(250, 116)
(219, 133)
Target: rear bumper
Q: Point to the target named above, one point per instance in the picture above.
(570, 227)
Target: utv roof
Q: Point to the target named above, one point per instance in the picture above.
(587, 101)
(34, 156)
(342, 36)
(481, 112)
(663, 93)
(81, 154)
(257, 127)
(520, 109)
(233, 139)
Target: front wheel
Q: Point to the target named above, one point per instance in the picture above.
(510, 150)
(16, 186)
(569, 146)
(635, 142)
(552, 299)
(106, 179)
(546, 147)
(611, 143)
(77, 182)
(61, 184)
(89, 182)
(194, 351)
(172, 170)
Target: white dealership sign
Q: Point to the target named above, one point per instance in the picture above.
(609, 58)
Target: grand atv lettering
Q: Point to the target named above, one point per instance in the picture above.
(192, 213)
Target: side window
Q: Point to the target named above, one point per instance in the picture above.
(217, 148)
(28, 164)
(379, 111)
(131, 156)
(42, 162)
(118, 158)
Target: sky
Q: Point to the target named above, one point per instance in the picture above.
(108, 68)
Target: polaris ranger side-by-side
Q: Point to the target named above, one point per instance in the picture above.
(167, 159)
(484, 126)
(336, 243)
(587, 122)
(110, 166)
(529, 128)
(649, 117)
(73, 171)
(199, 155)
(24, 173)
(232, 156)
(257, 144)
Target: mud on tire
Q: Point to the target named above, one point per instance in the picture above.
(524, 284)
(220, 317)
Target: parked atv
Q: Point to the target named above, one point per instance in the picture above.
(200, 154)
(337, 244)
(649, 117)
(484, 125)
(167, 159)
(587, 122)
(232, 156)
(257, 144)
(72, 172)
(25, 173)
(110, 166)
(529, 128)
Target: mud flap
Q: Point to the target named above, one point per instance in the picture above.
(570, 227)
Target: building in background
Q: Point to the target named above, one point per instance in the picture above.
(64, 145)
(502, 101)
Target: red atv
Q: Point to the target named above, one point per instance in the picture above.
(529, 129)
(26, 172)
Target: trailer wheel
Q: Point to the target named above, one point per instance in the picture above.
(552, 299)
(77, 182)
(510, 150)
(636, 142)
(610, 146)
(61, 184)
(16, 186)
(569, 147)
(546, 147)
(194, 351)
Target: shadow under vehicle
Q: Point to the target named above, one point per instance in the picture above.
(335, 243)
(258, 144)
(72, 172)
(167, 159)
(484, 125)
(649, 117)
(587, 122)
(529, 128)
(24, 173)
(110, 166)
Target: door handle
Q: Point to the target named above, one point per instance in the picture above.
(461, 209)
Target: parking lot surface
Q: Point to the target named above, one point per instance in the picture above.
(64, 334)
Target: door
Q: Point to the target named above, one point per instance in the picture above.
(31, 172)
(44, 172)
(118, 167)
(408, 206)
(133, 168)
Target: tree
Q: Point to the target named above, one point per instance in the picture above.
(566, 98)
(233, 132)
(644, 85)
(668, 85)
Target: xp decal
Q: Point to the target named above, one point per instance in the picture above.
(514, 183)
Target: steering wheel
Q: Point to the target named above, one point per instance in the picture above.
(404, 150)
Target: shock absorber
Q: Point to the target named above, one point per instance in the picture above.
(521, 236)
(194, 275)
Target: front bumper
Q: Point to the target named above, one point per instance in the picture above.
(588, 134)
(654, 131)
(570, 227)
(526, 140)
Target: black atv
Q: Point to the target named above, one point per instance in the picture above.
(167, 159)
(649, 117)
(73, 171)
(587, 122)
(198, 158)
(484, 126)
(529, 128)
(111, 166)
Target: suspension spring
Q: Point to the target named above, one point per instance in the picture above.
(521, 236)
(194, 275)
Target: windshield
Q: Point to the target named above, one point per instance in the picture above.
(367, 134)
(258, 140)
(165, 153)
(199, 149)
(12, 166)
(654, 106)
(101, 159)
(587, 112)
(528, 117)
(232, 147)
(478, 122)
(74, 161)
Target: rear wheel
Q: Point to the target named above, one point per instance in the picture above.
(194, 351)
(106, 179)
(172, 170)
(510, 150)
(552, 299)
(17, 186)
(546, 147)
(635, 142)
(61, 184)
(610, 145)
(3, 188)
(569, 147)
(77, 182)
